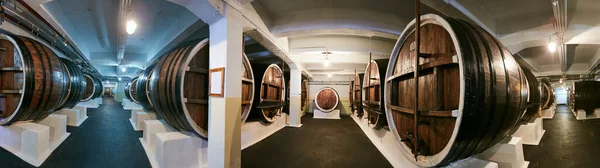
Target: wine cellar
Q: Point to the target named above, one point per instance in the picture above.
(311, 83)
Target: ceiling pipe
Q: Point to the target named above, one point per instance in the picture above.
(122, 35)
(559, 8)
(46, 32)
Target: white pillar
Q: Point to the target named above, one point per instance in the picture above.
(295, 98)
(224, 127)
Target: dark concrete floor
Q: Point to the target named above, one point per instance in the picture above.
(105, 139)
(318, 143)
(566, 143)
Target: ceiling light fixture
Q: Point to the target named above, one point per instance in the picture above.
(123, 69)
(552, 43)
(119, 78)
(131, 25)
(326, 62)
(329, 75)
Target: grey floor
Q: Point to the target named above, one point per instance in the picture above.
(318, 143)
(566, 143)
(105, 140)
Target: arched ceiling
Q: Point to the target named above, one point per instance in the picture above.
(95, 28)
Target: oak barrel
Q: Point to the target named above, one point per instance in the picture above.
(585, 96)
(357, 94)
(247, 87)
(372, 93)
(303, 94)
(33, 79)
(126, 91)
(179, 87)
(93, 87)
(547, 95)
(76, 84)
(534, 98)
(470, 91)
(132, 90)
(143, 88)
(269, 102)
(327, 99)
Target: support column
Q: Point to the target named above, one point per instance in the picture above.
(295, 98)
(224, 127)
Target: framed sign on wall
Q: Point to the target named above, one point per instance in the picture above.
(216, 81)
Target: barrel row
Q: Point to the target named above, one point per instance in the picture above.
(35, 81)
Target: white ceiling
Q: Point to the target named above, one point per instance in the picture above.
(94, 27)
(350, 29)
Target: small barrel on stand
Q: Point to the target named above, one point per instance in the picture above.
(327, 99)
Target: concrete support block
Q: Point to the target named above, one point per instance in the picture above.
(473, 163)
(83, 110)
(335, 114)
(31, 141)
(134, 117)
(177, 150)
(138, 118)
(166, 148)
(549, 113)
(531, 133)
(58, 126)
(74, 117)
(508, 153)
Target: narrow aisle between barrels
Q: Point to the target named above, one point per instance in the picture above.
(318, 143)
(106, 139)
(566, 143)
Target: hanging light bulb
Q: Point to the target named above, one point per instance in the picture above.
(561, 80)
(326, 62)
(552, 46)
(329, 75)
(119, 78)
(123, 69)
(131, 26)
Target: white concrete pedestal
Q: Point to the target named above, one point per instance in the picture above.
(168, 149)
(531, 133)
(74, 117)
(90, 104)
(138, 117)
(508, 153)
(549, 113)
(473, 163)
(335, 114)
(33, 142)
(582, 115)
(132, 106)
(99, 100)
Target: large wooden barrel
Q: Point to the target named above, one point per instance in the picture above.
(132, 90)
(547, 95)
(586, 96)
(327, 99)
(268, 104)
(372, 91)
(126, 91)
(33, 79)
(357, 94)
(179, 87)
(93, 87)
(247, 87)
(470, 91)
(534, 98)
(303, 94)
(143, 88)
(76, 85)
